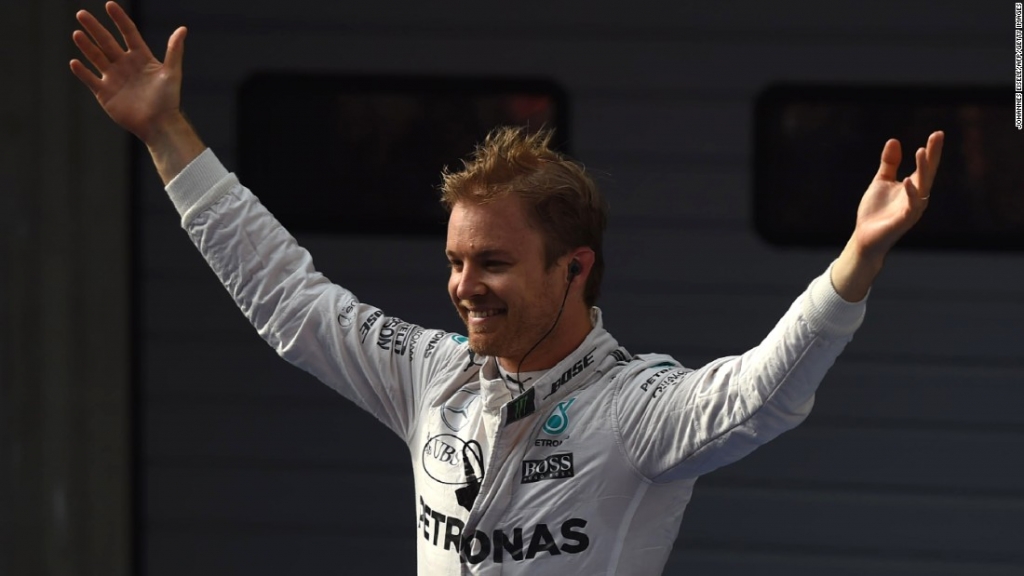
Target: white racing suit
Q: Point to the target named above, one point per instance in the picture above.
(586, 472)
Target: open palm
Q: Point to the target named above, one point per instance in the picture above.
(134, 88)
(891, 207)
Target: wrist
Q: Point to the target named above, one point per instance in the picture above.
(173, 143)
(855, 271)
(163, 129)
(868, 259)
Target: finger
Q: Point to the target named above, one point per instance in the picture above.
(921, 172)
(934, 153)
(86, 76)
(101, 36)
(90, 51)
(127, 27)
(914, 194)
(176, 49)
(891, 157)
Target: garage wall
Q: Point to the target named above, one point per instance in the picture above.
(910, 463)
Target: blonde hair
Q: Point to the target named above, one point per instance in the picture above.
(562, 202)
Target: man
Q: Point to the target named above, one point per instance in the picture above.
(539, 445)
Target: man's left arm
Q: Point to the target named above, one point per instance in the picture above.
(676, 423)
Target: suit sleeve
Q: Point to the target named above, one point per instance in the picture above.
(677, 423)
(381, 363)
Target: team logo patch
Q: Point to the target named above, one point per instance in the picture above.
(573, 371)
(444, 458)
(520, 407)
(558, 421)
(455, 412)
(347, 314)
(551, 468)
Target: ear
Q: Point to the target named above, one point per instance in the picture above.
(581, 259)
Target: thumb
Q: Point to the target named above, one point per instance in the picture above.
(176, 49)
(891, 156)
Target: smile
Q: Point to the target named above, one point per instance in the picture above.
(484, 313)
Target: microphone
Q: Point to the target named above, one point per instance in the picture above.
(466, 495)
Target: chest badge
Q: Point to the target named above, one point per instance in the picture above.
(558, 421)
(455, 412)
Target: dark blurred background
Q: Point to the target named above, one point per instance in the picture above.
(145, 429)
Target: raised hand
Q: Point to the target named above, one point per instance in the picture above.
(887, 211)
(135, 89)
(891, 207)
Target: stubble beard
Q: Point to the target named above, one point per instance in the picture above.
(516, 334)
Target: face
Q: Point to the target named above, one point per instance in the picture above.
(498, 282)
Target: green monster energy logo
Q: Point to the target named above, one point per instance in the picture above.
(520, 407)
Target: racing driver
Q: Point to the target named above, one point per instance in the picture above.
(539, 444)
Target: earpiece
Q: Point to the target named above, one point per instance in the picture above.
(574, 269)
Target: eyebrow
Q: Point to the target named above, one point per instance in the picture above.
(485, 254)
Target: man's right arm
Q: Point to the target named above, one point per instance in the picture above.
(380, 363)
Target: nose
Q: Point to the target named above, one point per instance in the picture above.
(468, 283)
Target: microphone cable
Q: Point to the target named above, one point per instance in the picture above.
(573, 272)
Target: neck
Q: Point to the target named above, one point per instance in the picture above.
(572, 329)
